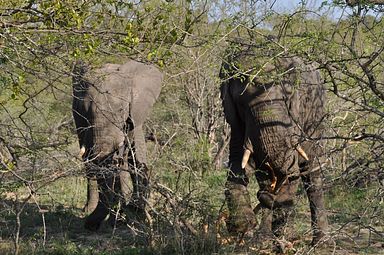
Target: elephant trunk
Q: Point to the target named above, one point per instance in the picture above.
(274, 143)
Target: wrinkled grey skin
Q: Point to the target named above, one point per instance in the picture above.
(271, 117)
(110, 105)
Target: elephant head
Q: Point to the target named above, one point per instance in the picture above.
(274, 105)
(110, 105)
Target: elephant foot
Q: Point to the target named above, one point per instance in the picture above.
(320, 229)
(134, 213)
(94, 220)
(92, 225)
(264, 231)
(241, 216)
(282, 246)
(137, 219)
(129, 214)
(116, 219)
(319, 239)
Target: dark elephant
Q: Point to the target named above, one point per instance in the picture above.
(110, 105)
(275, 107)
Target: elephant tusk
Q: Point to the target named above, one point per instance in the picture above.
(244, 161)
(82, 151)
(302, 153)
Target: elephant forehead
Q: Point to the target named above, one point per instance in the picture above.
(112, 103)
(112, 84)
(108, 68)
(252, 95)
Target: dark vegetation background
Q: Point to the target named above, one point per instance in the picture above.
(42, 185)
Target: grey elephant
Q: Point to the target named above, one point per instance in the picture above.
(274, 104)
(110, 105)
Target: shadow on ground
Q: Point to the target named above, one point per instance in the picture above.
(59, 230)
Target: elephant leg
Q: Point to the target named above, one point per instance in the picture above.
(92, 195)
(265, 226)
(274, 221)
(140, 181)
(241, 216)
(139, 175)
(276, 207)
(118, 198)
(313, 184)
(282, 220)
(125, 184)
(107, 199)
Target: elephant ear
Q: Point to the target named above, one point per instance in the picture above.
(79, 70)
(228, 104)
(311, 98)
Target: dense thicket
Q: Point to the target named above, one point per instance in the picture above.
(42, 189)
